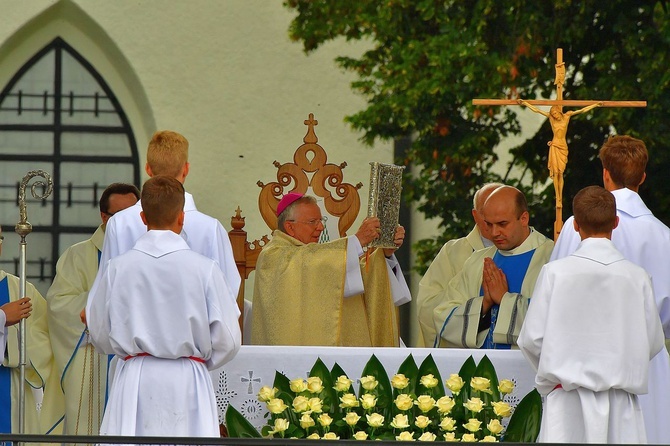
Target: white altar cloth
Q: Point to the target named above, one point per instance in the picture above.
(239, 381)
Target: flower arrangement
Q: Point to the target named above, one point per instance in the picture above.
(412, 405)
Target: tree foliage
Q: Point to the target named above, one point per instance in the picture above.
(427, 60)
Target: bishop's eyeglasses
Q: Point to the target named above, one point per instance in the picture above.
(312, 222)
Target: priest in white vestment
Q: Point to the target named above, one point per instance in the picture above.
(167, 154)
(169, 316)
(309, 293)
(590, 332)
(81, 372)
(449, 262)
(644, 240)
(486, 302)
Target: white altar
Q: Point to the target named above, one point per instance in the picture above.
(238, 382)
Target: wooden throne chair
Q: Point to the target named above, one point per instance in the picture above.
(311, 174)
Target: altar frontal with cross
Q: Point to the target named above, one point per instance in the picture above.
(558, 146)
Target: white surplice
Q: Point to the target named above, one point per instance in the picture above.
(644, 240)
(204, 235)
(592, 327)
(163, 300)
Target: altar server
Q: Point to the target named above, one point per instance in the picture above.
(486, 302)
(167, 312)
(167, 154)
(309, 293)
(590, 331)
(644, 240)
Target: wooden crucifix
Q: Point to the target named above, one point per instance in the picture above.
(559, 120)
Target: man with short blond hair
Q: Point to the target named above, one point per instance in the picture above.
(167, 154)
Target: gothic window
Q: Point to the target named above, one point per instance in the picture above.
(57, 114)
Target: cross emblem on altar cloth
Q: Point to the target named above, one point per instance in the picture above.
(559, 120)
(251, 380)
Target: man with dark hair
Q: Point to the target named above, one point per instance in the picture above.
(322, 288)
(644, 240)
(590, 331)
(81, 373)
(448, 262)
(168, 313)
(487, 300)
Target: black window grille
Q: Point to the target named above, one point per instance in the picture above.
(58, 114)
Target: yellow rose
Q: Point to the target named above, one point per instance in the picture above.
(494, 426)
(481, 384)
(375, 420)
(445, 404)
(300, 404)
(314, 384)
(306, 421)
(473, 425)
(455, 383)
(450, 436)
(474, 404)
(422, 421)
(316, 405)
(360, 435)
(368, 401)
(314, 436)
(400, 422)
(280, 426)
(506, 386)
(352, 418)
(404, 402)
(448, 424)
(298, 385)
(427, 436)
(429, 381)
(399, 381)
(342, 384)
(266, 393)
(425, 403)
(468, 438)
(276, 405)
(324, 419)
(330, 436)
(489, 439)
(368, 382)
(501, 408)
(405, 436)
(348, 400)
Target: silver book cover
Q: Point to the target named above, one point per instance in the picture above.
(384, 200)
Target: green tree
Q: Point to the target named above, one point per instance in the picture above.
(428, 59)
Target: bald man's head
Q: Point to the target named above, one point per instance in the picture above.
(478, 204)
(506, 216)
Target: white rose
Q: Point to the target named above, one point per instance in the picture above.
(342, 384)
(314, 384)
(425, 403)
(316, 405)
(445, 404)
(429, 381)
(468, 438)
(474, 404)
(501, 408)
(427, 436)
(375, 420)
(489, 439)
(360, 435)
(300, 404)
(404, 402)
(400, 421)
(405, 436)
(330, 436)
(450, 436)
(352, 418)
(455, 383)
(473, 425)
(495, 427)
(448, 424)
(368, 382)
(506, 386)
(348, 400)
(276, 405)
(266, 393)
(399, 381)
(324, 419)
(481, 384)
(368, 401)
(422, 421)
(298, 385)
